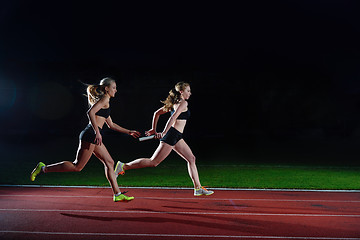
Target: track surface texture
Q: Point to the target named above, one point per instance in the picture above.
(89, 213)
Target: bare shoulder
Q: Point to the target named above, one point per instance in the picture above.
(104, 101)
(183, 105)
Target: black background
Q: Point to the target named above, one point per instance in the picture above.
(260, 71)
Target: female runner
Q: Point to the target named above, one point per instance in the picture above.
(171, 137)
(91, 138)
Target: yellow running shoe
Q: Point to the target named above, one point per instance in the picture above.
(122, 198)
(36, 171)
(119, 169)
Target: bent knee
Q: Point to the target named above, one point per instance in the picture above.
(77, 167)
(192, 159)
(154, 163)
(109, 164)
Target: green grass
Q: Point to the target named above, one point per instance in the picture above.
(234, 176)
(248, 177)
(231, 172)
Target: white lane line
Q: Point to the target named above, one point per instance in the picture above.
(189, 188)
(188, 236)
(195, 198)
(180, 213)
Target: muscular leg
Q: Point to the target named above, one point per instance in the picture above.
(103, 155)
(185, 152)
(159, 155)
(83, 155)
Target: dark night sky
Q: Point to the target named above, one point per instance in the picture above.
(259, 69)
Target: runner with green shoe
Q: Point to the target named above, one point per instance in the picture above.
(91, 138)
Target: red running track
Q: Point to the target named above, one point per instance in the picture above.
(89, 213)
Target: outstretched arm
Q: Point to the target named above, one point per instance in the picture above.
(118, 128)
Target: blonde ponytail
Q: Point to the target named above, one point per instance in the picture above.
(174, 96)
(96, 92)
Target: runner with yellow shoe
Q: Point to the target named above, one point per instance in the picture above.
(91, 138)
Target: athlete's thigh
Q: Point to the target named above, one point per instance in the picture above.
(103, 154)
(84, 153)
(184, 150)
(161, 152)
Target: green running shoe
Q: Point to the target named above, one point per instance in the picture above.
(36, 171)
(122, 198)
(119, 169)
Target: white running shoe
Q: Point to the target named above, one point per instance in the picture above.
(202, 191)
(119, 169)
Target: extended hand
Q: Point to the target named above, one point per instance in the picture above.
(150, 132)
(134, 133)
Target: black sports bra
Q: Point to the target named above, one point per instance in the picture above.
(183, 115)
(104, 112)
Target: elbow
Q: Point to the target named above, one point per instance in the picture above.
(110, 125)
(90, 113)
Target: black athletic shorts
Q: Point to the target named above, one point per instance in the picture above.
(172, 137)
(88, 134)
